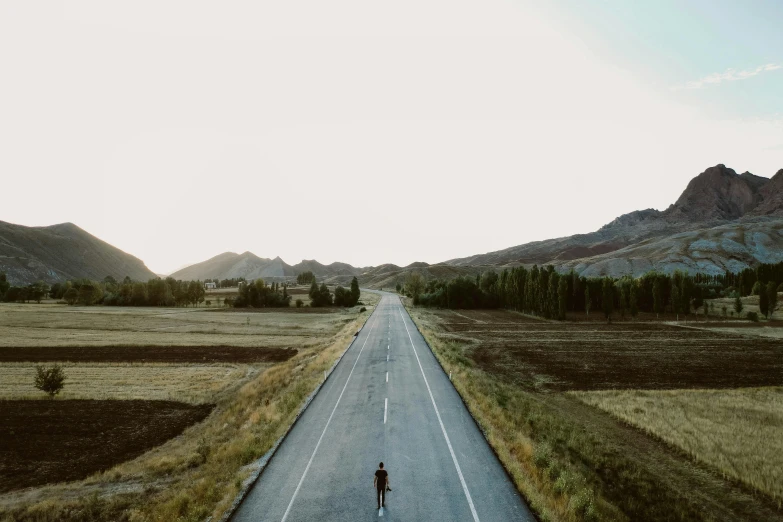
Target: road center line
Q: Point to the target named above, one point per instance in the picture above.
(387, 376)
(301, 480)
(385, 408)
(442, 427)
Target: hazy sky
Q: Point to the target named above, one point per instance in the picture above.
(372, 132)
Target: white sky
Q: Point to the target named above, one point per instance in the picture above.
(365, 132)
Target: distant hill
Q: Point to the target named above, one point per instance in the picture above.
(60, 252)
(230, 265)
(722, 221)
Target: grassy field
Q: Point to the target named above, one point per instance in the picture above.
(190, 383)
(30, 325)
(738, 432)
(576, 462)
(197, 474)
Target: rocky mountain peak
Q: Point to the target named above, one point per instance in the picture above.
(718, 194)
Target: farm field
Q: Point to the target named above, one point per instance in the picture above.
(520, 378)
(48, 441)
(569, 356)
(30, 325)
(736, 431)
(251, 369)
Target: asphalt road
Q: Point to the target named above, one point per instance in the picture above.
(388, 400)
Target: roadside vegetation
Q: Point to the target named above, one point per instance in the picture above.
(573, 461)
(230, 411)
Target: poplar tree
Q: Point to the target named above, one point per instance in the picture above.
(355, 292)
(562, 294)
(588, 303)
(675, 300)
(772, 298)
(764, 303)
(607, 300)
(634, 304)
(738, 307)
(657, 298)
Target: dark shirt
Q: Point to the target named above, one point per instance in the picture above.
(381, 476)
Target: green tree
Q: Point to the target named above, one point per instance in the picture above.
(4, 285)
(607, 297)
(49, 380)
(562, 298)
(38, 291)
(414, 284)
(305, 278)
(633, 301)
(355, 292)
(772, 298)
(71, 296)
(86, 295)
(764, 304)
(623, 299)
(588, 301)
(738, 307)
(139, 294)
(675, 300)
(657, 297)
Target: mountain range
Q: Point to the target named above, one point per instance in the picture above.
(61, 252)
(722, 221)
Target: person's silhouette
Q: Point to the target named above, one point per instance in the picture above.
(381, 484)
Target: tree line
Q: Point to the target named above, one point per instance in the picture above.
(172, 292)
(545, 292)
(348, 297)
(305, 278)
(109, 292)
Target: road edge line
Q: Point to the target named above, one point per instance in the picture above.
(475, 420)
(263, 462)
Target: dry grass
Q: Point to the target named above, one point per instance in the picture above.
(58, 325)
(197, 474)
(736, 431)
(749, 303)
(190, 383)
(574, 462)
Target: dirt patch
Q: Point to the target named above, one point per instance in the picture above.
(147, 354)
(567, 356)
(53, 441)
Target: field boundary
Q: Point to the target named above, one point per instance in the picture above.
(467, 408)
(261, 464)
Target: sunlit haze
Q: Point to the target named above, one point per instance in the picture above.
(374, 132)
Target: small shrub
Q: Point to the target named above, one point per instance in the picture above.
(363, 309)
(753, 317)
(299, 303)
(49, 380)
(542, 456)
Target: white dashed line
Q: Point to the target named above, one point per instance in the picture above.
(301, 480)
(385, 409)
(387, 376)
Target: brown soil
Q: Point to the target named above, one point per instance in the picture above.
(147, 354)
(568, 356)
(52, 441)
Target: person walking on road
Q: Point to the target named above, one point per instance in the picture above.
(382, 484)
